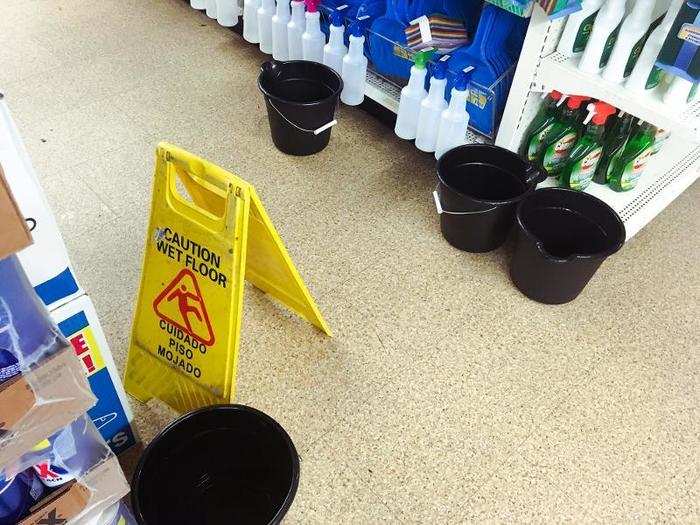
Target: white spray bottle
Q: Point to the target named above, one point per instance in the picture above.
(313, 39)
(227, 12)
(603, 36)
(355, 68)
(645, 74)
(280, 42)
(578, 28)
(634, 27)
(454, 120)
(198, 4)
(411, 96)
(251, 32)
(335, 50)
(295, 28)
(265, 13)
(431, 108)
(211, 8)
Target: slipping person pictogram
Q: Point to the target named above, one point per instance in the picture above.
(182, 305)
(183, 297)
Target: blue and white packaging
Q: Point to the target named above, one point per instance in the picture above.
(17, 495)
(42, 387)
(46, 261)
(112, 414)
(27, 334)
(77, 459)
(67, 454)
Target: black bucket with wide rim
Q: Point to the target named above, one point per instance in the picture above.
(563, 236)
(479, 187)
(301, 99)
(217, 465)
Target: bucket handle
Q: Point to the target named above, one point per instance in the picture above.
(316, 131)
(534, 175)
(441, 210)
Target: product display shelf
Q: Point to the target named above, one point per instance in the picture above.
(387, 94)
(561, 73)
(387, 91)
(668, 174)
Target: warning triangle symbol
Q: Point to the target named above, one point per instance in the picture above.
(181, 304)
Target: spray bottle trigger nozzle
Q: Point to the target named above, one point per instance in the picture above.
(591, 112)
(337, 18)
(463, 78)
(440, 70)
(356, 28)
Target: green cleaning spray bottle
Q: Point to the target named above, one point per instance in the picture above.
(630, 165)
(541, 125)
(614, 144)
(584, 156)
(562, 136)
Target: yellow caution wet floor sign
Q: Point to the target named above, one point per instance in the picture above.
(186, 331)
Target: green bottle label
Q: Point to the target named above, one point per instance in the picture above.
(634, 169)
(534, 145)
(654, 78)
(583, 170)
(639, 46)
(584, 32)
(558, 152)
(608, 47)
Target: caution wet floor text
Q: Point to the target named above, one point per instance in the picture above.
(186, 331)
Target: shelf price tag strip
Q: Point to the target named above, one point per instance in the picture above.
(186, 331)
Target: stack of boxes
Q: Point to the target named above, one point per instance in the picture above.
(63, 410)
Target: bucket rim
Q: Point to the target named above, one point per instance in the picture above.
(233, 407)
(265, 92)
(529, 186)
(574, 256)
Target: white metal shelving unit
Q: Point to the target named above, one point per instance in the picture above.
(669, 173)
(541, 68)
(382, 91)
(559, 72)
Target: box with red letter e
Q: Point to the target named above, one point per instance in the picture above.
(112, 415)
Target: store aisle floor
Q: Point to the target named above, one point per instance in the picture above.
(445, 395)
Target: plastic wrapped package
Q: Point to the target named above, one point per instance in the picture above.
(42, 384)
(27, 334)
(79, 476)
(79, 323)
(18, 494)
(117, 514)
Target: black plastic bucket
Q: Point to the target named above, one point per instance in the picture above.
(217, 465)
(301, 99)
(479, 188)
(563, 236)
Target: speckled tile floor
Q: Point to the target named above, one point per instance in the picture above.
(445, 396)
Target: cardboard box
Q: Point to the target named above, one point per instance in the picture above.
(65, 504)
(40, 402)
(46, 261)
(112, 415)
(14, 234)
(98, 489)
